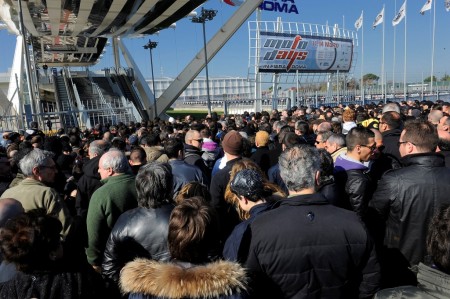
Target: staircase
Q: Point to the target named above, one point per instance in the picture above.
(128, 92)
(68, 119)
(102, 103)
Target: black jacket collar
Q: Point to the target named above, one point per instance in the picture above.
(304, 200)
(393, 132)
(424, 159)
(192, 149)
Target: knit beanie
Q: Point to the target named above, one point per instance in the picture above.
(232, 143)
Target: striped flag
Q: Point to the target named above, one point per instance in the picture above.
(400, 15)
(426, 6)
(379, 19)
(359, 22)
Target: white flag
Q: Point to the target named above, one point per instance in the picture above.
(359, 22)
(447, 5)
(426, 6)
(379, 19)
(400, 15)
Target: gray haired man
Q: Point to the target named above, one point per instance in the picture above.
(115, 196)
(34, 193)
(313, 255)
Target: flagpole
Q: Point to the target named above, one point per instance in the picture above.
(393, 66)
(362, 60)
(382, 63)
(404, 67)
(432, 50)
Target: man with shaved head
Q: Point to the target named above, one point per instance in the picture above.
(435, 116)
(9, 208)
(193, 142)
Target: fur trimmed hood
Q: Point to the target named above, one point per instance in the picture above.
(170, 280)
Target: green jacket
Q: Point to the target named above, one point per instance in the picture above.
(432, 284)
(117, 195)
(33, 194)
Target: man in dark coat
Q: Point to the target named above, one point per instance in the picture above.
(407, 198)
(308, 248)
(390, 128)
(228, 216)
(193, 153)
(262, 156)
(90, 180)
(182, 172)
(352, 174)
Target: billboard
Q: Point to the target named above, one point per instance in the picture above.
(287, 53)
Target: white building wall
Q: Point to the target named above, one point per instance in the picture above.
(228, 87)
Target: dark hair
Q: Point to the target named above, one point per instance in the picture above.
(358, 136)
(264, 126)
(138, 154)
(28, 239)
(438, 239)
(154, 184)
(326, 163)
(172, 147)
(119, 143)
(422, 134)
(193, 230)
(150, 140)
(392, 119)
(444, 144)
(290, 139)
(283, 131)
(326, 167)
(336, 127)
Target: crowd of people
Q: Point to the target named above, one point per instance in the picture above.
(327, 202)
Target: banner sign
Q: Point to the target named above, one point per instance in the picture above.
(286, 6)
(286, 52)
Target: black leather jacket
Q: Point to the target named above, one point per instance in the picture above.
(407, 198)
(140, 232)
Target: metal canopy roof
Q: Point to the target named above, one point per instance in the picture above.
(74, 32)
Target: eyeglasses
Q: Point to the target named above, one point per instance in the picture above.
(199, 140)
(372, 147)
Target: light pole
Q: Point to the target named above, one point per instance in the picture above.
(206, 15)
(151, 45)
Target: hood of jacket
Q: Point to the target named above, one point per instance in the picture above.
(347, 126)
(153, 152)
(343, 162)
(177, 280)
